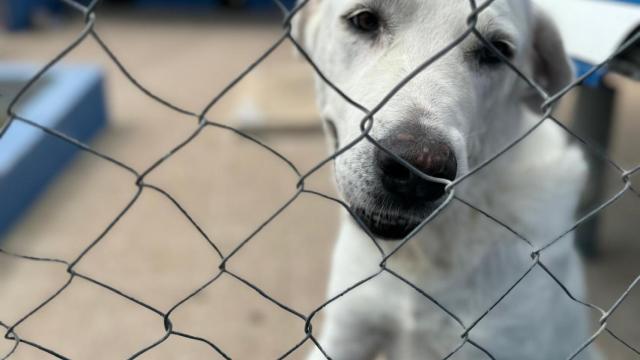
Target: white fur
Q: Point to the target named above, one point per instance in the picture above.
(462, 259)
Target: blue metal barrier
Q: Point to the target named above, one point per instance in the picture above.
(177, 3)
(71, 100)
(18, 14)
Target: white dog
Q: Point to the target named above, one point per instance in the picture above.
(457, 113)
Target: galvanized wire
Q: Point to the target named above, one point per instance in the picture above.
(536, 253)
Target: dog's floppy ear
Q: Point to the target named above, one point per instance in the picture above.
(550, 64)
(304, 23)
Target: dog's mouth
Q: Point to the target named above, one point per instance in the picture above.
(388, 226)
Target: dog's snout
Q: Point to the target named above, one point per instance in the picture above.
(428, 153)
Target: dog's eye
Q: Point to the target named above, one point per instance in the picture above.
(365, 21)
(487, 57)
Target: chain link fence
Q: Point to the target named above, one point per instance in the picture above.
(201, 123)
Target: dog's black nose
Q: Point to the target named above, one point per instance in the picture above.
(428, 153)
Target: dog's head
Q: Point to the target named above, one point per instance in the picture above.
(448, 118)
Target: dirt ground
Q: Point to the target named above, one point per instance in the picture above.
(230, 186)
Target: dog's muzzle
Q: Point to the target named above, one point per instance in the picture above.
(406, 198)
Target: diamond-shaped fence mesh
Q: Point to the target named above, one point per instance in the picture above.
(537, 254)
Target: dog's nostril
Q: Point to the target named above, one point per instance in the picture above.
(442, 165)
(394, 169)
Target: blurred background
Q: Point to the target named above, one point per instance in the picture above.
(186, 52)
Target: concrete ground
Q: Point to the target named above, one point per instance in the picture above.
(230, 186)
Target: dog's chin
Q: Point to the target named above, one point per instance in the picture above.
(387, 226)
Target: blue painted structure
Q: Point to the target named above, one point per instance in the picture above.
(177, 3)
(595, 79)
(18, 13)
(269, 3)
(71, 101)
(249, 4)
